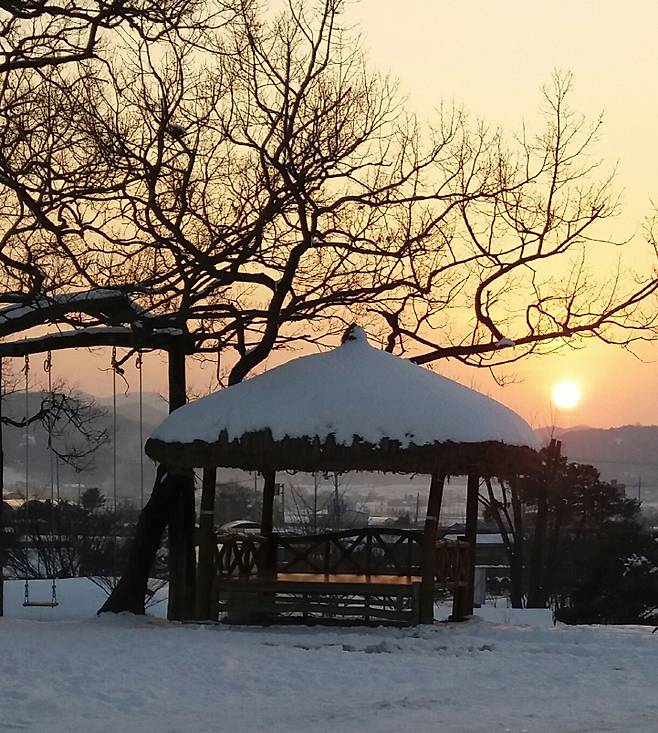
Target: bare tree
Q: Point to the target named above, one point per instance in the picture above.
(58, 540)
(539, 268)
(39, 34)
(265, 195)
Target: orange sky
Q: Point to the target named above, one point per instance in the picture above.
(492, 57)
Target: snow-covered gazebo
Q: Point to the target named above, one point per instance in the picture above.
(353, 408)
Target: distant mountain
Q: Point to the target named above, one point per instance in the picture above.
(101, 473)
(628, 454)
(154, 406)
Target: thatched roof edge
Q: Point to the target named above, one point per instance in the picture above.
(258, 451)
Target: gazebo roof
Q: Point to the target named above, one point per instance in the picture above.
(355, 407)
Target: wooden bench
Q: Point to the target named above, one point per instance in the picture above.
(369, 574)
(308, 597)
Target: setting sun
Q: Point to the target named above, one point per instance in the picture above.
(566, 395)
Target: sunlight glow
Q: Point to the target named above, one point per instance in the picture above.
(566, 395)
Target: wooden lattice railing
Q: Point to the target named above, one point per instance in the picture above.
(240, 555)
(369, 551)
(452, 560)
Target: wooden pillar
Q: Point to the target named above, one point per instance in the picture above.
(472, 490)
(267, 514)
(207, 545)
(182, 558)
(177, 386)
(429, 549)
(267, 522)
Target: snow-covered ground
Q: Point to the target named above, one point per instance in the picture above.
(65, 670)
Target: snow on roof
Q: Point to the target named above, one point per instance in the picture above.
(355, 389)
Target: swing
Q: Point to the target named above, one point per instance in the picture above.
(117, 370)
(47, 365)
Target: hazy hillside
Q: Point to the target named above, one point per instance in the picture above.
(628, 454)
(101, 473)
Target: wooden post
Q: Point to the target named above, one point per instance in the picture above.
(472, 490)
(267, 515)
(182, 560)
(177, 378)
(207, 545)
(267, 522)
(429, 549)
(182, 556)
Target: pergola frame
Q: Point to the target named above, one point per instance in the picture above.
(260, 452)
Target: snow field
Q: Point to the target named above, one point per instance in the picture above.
(78, 673)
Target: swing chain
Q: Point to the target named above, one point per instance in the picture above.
(116, 369)
(116, 364)
(138, 365)
(47, 368)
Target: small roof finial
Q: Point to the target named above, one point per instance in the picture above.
(354, 333)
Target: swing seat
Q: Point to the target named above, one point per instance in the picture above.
(31, 603)
(40, 604)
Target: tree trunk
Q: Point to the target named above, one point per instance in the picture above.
(518, 556)
(130, 592)
(182, 557)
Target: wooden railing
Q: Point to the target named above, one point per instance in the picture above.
(240, 555)
(452, 561)
(369, 551)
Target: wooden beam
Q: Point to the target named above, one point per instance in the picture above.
(90, 338)
(429, 548)
(207, 545)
